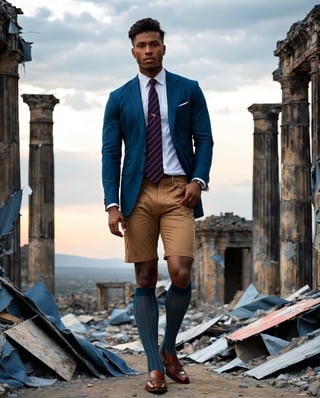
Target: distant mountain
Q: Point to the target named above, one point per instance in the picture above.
(69, 260)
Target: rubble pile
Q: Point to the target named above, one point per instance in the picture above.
(259, 339)
(37, 348)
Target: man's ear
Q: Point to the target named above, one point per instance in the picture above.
(164, 49)
(133, 52)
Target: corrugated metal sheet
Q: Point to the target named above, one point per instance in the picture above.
(195, 331)
(234, 364)
(306, 350)
(209, 352)
(273, 319)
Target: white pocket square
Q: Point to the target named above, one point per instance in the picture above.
(183, 103)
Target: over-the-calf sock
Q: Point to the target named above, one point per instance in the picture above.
(177, 303)
(146, 312)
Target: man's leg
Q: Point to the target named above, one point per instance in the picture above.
(177, 300)
(146, 312)
(141, 244)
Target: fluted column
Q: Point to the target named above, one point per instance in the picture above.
(315, 104)
(295, 208)
(315, 140)
(10, 56)
(265, 203)
(41, 181)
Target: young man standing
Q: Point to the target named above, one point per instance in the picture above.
(163, 122)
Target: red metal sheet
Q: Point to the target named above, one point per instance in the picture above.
(273, 319)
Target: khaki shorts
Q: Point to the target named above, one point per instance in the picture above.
(158, 213)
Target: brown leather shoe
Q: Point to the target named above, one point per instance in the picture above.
(174, 368)
(156, 384)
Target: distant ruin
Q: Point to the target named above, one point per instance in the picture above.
(223, 257)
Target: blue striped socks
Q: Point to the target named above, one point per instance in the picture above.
(177, 303)
(146, 314)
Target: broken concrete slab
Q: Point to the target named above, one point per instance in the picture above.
(71, 322)
(32, 338)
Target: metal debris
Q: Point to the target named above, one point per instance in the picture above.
(305, 351)
(39, 337)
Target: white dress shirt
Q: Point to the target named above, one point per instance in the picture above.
(171, 164)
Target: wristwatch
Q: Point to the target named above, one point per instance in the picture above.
(202, 184)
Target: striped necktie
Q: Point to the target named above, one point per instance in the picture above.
(154, 164)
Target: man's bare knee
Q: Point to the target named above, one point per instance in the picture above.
(180, 270)
(146, 274)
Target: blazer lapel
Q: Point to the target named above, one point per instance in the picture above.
(173, 95)
(136, 103)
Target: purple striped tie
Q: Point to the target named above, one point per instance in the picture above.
(154, 165)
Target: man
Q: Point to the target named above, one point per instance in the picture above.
(163, 122)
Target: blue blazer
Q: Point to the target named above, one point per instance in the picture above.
(124, 122)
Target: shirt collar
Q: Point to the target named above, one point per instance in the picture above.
(160, 78)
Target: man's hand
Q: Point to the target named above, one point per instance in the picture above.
(192, 195)
(115, 218)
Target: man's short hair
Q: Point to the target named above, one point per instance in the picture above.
(145, 25)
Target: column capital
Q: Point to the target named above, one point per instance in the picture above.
(40, 101)
(314, 62)
(41, 106)
(262, 111)
(9, 62)
(293, 80)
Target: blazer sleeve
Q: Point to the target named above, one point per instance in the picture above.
(202, 135)
(111, 150)
(192, 135)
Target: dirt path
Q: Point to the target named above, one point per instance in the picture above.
(203, 384)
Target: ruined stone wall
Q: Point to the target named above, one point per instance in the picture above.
(10, 57)
(219, 238)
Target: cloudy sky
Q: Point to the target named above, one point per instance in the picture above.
(81, 52)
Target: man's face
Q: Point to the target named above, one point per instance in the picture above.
(148, 49)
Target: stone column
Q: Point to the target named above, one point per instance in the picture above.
(315, 140)
(197, 270)
(41, 181)
(295, 208)
(246, 267)
(266, 202)
(315, 103)
(10, 57)
(208, 278)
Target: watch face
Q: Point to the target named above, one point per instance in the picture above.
(199, 183)
(203, 185)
